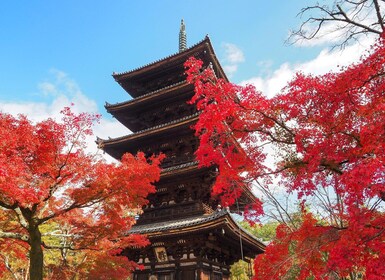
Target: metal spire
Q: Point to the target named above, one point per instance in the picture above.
(182, 37)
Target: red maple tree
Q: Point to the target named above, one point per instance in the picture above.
(54, 196)
(328, 133)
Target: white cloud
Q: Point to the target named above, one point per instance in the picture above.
(64, 92)
(59, 84)
(233, 53)
(326, 61)
(233, 56)
(230, 69)
(47, 89)
(105, 129)
(264, 67)
(330, 34)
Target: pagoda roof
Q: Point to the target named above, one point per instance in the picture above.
(127, 112)
(116, 147)
(221, 218)
(180, 168)
(150, 130)
(136, 81)
(131, 102)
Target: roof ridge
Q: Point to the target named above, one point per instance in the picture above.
(108, 105)
(147, 129)
(116, 75)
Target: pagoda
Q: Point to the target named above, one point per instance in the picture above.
(192, 237)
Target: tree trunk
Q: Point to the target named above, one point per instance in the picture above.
(35, 254)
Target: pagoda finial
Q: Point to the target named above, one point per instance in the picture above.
(182, 37)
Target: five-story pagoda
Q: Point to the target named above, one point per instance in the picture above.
(191, 238)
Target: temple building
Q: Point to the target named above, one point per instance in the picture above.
(191, 237)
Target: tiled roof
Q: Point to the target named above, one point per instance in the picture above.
(116, 75)
(125, 137)
(188, 222)
(177, 224)
(108, 105)
(176, 167)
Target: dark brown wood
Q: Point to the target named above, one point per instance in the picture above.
(36, 253)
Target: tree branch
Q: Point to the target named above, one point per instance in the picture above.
(378, 14)
(74, 205)
(354, 16)
(23, 222)
(68, 247)
(14, 235)
(350, 21)
(8, 206)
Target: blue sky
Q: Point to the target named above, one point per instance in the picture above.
(89, 40)
(53, 53)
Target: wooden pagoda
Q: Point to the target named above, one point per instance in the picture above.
(191, 237)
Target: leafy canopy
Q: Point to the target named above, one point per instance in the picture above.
(329, 136)
(55, 197)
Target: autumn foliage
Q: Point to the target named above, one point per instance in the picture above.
(56, 198)
(328, 134)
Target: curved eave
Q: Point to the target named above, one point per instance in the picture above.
(116, 147)
(244, 235)
(151, 131)
(149, 97)
(167, 71)
(221, 74)
(191, 225)
(174, 57)
(180, 169)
